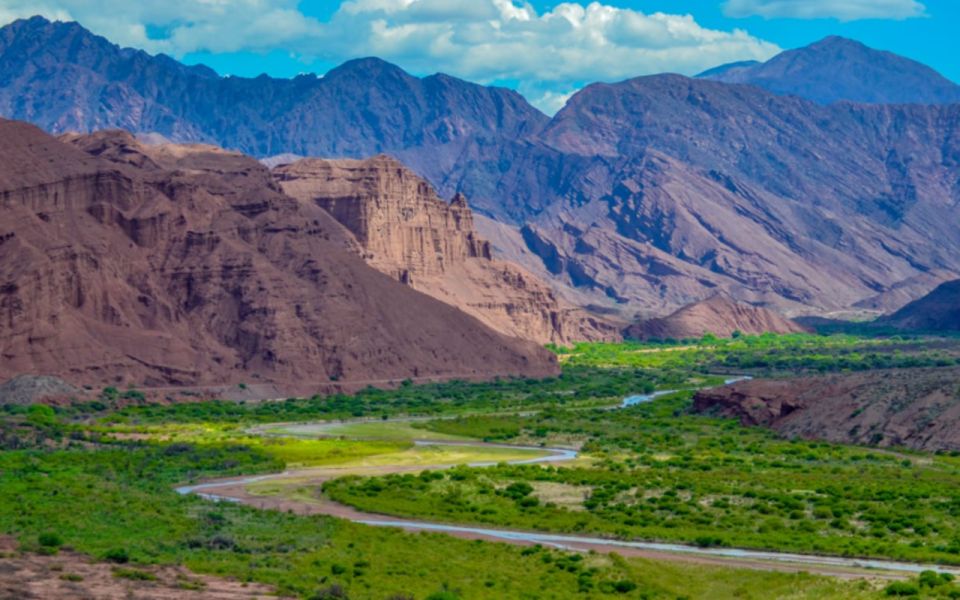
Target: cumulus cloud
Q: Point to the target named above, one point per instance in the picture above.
(843, 10)
(551, 53)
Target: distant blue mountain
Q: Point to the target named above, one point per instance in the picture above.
(836, 68)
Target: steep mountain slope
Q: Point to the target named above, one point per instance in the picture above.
(188, 266)
(409, 233)
(658, 191)
(63, 78)
(913, 408)
(937, 311)
(836, 69)
(719, 315)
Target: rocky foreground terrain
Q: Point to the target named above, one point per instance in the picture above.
(913, 408)
(187, 265)
(67, 574)
(409, 233)
(719, 315)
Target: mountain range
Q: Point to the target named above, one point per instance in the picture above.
(637, 198)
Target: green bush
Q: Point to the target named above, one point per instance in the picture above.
(902, 588)
(49, 540)
(117, 555)
(134, 575)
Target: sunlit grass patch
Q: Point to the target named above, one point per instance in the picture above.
(306, 453)
(374, 430)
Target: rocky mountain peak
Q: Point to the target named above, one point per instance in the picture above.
(837, 68)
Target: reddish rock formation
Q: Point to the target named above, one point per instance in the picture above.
(917, 408)
(719, 315)
(175, 265)
(406, 231)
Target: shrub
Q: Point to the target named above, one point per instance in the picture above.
(518, 489)
(332, 592)
(529, 501)
(41, 415)
(117, 555)
(49, 540)
(902, 588)
(134, 575)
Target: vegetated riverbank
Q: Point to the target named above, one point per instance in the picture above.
(103, 480)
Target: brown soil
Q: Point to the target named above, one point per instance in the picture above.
(26, 576)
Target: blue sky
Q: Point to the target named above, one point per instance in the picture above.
(547, 50)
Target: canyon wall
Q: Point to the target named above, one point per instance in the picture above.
(404, 229)
(188, 266)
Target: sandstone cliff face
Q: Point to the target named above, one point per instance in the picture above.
(404, 228)
(719, 315)
(180, 265)
(406, 231)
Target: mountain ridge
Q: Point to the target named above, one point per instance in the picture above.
(836, 68)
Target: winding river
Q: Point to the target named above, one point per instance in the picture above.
(234, 490)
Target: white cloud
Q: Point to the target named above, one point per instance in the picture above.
(483, 40)
(843, 10)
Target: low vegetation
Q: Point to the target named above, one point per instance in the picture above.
(101, 481)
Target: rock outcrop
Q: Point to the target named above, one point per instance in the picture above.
(719, 315)
(28, 389)
(408, 232)
(915, 408)
(187, 265)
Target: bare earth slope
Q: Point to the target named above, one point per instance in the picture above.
(937, 311)
(28, 576)
(916, 408)
(188, 266)
(409, 233)
(659, 191)
(719, 315)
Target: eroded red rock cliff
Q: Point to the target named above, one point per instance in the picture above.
(176, 265)
(408, 232)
